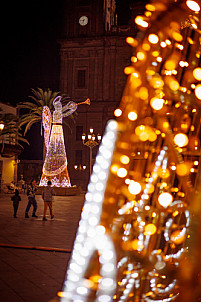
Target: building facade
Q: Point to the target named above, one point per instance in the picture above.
(93, 56)
(9, 152)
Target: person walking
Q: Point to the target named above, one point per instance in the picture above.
(31, 191)
(16, 199)
(47, 195)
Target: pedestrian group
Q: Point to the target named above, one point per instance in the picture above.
(47, 196)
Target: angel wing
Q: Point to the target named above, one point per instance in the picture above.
(47, 122)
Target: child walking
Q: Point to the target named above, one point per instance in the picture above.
(16, 199)
(47, 196)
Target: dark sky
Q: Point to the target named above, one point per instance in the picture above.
(29, 48)
(30, 52)
(29, 55)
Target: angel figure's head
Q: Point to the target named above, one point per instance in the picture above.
(57, 103)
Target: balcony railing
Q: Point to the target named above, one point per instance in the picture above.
(9, 146)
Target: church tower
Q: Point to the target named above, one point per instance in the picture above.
(93, 55)
(88, 17)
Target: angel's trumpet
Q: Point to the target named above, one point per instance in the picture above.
(87, 101)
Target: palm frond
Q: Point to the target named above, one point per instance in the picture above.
(29, 124)
(39, 99)
(24, 140)
(39, 102)
(41, 91)
(29, 117)
(36, 93)
(26, 105)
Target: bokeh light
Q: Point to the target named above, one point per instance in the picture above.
(134, 187)
(193, 5)
(181, 140)
(165, 199)
(197, 73)
(198, 91)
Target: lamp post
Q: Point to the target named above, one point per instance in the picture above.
(91, 143)
(80, 171)
(1, 125)
(80, 167)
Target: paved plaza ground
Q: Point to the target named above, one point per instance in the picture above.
(36, 274)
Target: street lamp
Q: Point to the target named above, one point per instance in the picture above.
(1, 125)
(91, 143)
(80, 167)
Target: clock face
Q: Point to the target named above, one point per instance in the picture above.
(83, 20)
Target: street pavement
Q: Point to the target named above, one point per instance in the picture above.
(34, 254)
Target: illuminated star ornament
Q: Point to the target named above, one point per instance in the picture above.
(135, 228)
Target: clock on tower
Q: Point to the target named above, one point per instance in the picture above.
(88, 17)
(83, 20)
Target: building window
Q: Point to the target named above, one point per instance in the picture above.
(81, 78)
(78, 157)
(79, 132)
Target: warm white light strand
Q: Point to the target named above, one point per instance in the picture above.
(91, 236)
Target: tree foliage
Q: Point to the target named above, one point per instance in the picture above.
(11, 128)
(34, 108)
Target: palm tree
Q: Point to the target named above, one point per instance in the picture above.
(40, 99)
(11, 130)
(34, 109)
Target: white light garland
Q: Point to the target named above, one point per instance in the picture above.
(56, 182)
(91, 236)
(55, 164)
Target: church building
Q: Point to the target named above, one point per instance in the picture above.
(93, 55)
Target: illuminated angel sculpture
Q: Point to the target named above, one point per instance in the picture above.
(55, 164)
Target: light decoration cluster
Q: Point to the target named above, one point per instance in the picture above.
(47, 124)
(55, 164)
(92, 239)
(143, 182)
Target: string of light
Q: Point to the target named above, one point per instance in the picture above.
(142, 203)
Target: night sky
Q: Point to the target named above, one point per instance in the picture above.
(29, 48)
(30, 51)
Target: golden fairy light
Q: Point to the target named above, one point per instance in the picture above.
(124, 159)
(141, 55)
(153, 38)
(197, 73)
(150, 229)
(134, 187)
(183, 169)
(131, 41)
(122, 172)
(141, 22)
(135, 225)
(193, 5)
(181, 139)
(198, 91)
(118, 112)
(156, 103)
(165, 199)
(132, 115)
